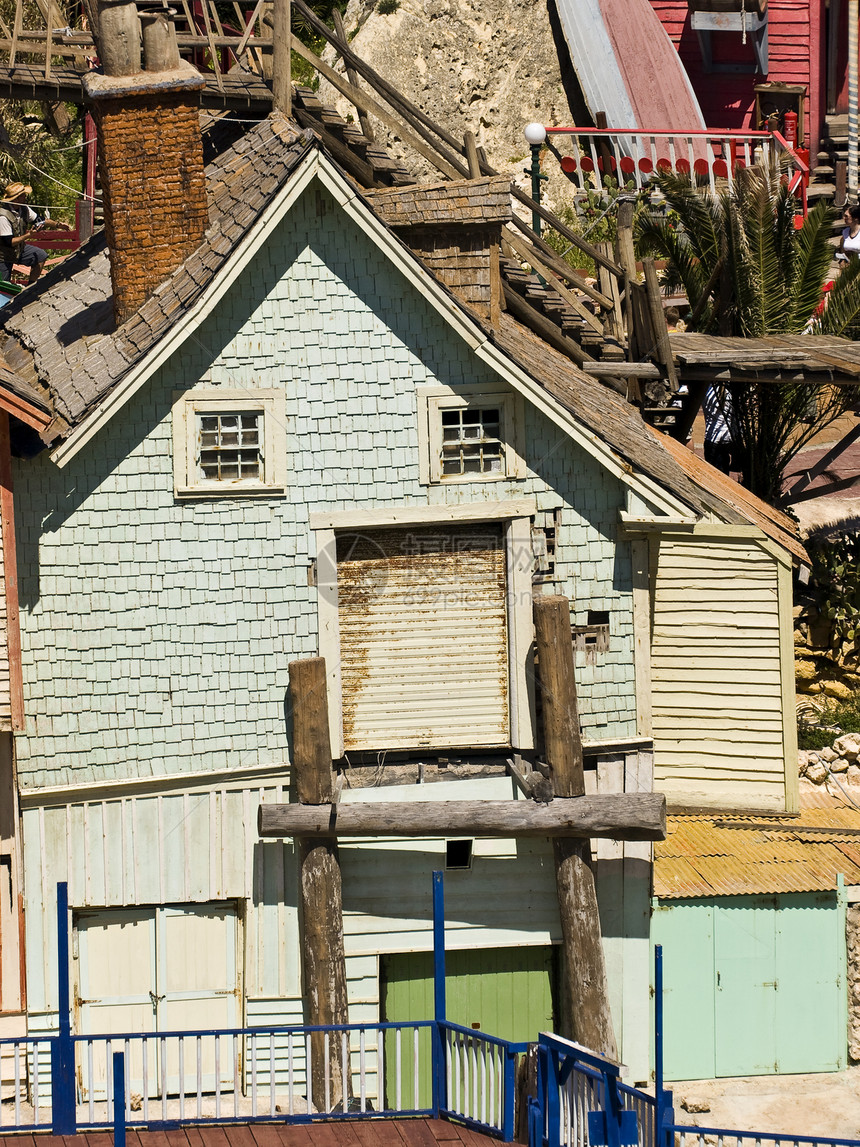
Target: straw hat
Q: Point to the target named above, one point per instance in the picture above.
(13, 190)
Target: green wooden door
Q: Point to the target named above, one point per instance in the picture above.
(746, 986)
(753, 985)
(506, 992)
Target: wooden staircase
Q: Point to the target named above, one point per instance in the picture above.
(829, 169)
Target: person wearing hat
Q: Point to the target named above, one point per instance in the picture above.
(17, 225)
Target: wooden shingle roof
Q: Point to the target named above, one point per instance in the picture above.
(66, 322)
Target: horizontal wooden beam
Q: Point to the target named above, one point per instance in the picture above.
(623, 369)
(621, 816)
(785, 377)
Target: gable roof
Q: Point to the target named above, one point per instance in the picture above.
(60, 335)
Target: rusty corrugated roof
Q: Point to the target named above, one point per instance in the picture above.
(730, 855)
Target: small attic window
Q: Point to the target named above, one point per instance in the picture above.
(469, 435)
(230, 446)
(228, 443)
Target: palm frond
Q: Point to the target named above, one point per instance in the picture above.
(841, 314)
(812, 255)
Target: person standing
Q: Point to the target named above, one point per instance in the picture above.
(849, 244)
(717, 409)
(18, 223)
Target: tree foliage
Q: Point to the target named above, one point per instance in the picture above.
(748, 272)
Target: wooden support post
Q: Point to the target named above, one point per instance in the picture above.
(585, 1008)
(470, 145)
(282, 85)
(658, 323)
(320, 889)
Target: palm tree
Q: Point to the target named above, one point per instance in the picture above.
(748, 272)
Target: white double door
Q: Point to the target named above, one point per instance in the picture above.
(158, 970)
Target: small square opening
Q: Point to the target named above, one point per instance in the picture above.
(458, 854)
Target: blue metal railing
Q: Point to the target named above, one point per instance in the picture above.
(696, 1137)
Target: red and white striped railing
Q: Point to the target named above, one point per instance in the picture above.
(633, 155)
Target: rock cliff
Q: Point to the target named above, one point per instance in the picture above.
(489, 68)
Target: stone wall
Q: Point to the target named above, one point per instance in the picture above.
(842, 759)
(852, 938)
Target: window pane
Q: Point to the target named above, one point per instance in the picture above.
(471, 441)
(228, 446)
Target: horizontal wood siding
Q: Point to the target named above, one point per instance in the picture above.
(717, 686)
(728, 100)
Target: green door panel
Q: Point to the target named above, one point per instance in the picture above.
(753, 985)
(810, 951)
(746, 986)
(686, 931)
(507, 992)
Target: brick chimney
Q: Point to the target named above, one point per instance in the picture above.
(150, 152)
(456, 228)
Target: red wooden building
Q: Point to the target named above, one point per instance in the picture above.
(799, 43)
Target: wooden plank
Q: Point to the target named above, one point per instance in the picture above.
(628, 817)
(546, 328)
(238, 1135)
(10, 577)
(470, 146)
(623, 369)
(352, 75)
(219, 79)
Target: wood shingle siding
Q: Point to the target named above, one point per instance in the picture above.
(716, 674)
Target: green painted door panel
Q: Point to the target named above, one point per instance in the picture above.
(686, 931)
(753, 985)
(746, 986)
(508, 992)
(810, 956)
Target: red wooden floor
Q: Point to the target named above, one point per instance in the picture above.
(360, 1133)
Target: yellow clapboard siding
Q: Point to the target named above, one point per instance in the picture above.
(717, 689)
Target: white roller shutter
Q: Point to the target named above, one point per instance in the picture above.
(423, 637)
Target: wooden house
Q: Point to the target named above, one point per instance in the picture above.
(312, 429)
(749, 63)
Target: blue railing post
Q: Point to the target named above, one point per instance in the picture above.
(63, 1114)
(664, 1109)
(119, 1099)
(440, 1098)
(549, 1067)
(509, 1094)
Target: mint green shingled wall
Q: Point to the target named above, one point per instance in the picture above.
(156, 634)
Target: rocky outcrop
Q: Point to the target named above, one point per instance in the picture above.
(824, 665)
(488, 68)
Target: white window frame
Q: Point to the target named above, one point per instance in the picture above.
(432, 401)
(516, 515)
(187, 405)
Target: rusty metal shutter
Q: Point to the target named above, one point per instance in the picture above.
(423, 637)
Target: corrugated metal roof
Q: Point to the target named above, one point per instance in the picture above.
(724, 854)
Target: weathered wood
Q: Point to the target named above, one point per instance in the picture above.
(585, 995)
(363, 102)
(540, 324)
(10, 577)
(554, 646)
(352, 74)
(627, 816)
(320, 887)
(282, 85)
(323, 962)
(312, 762)
(609, 285)
(470, 145)
(558, 266)
(658, 323)
(624, 369)
(553, 283)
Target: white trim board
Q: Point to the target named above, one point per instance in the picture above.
(317, 166)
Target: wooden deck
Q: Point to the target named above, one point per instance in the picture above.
(355, 1133)
(824, 359)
